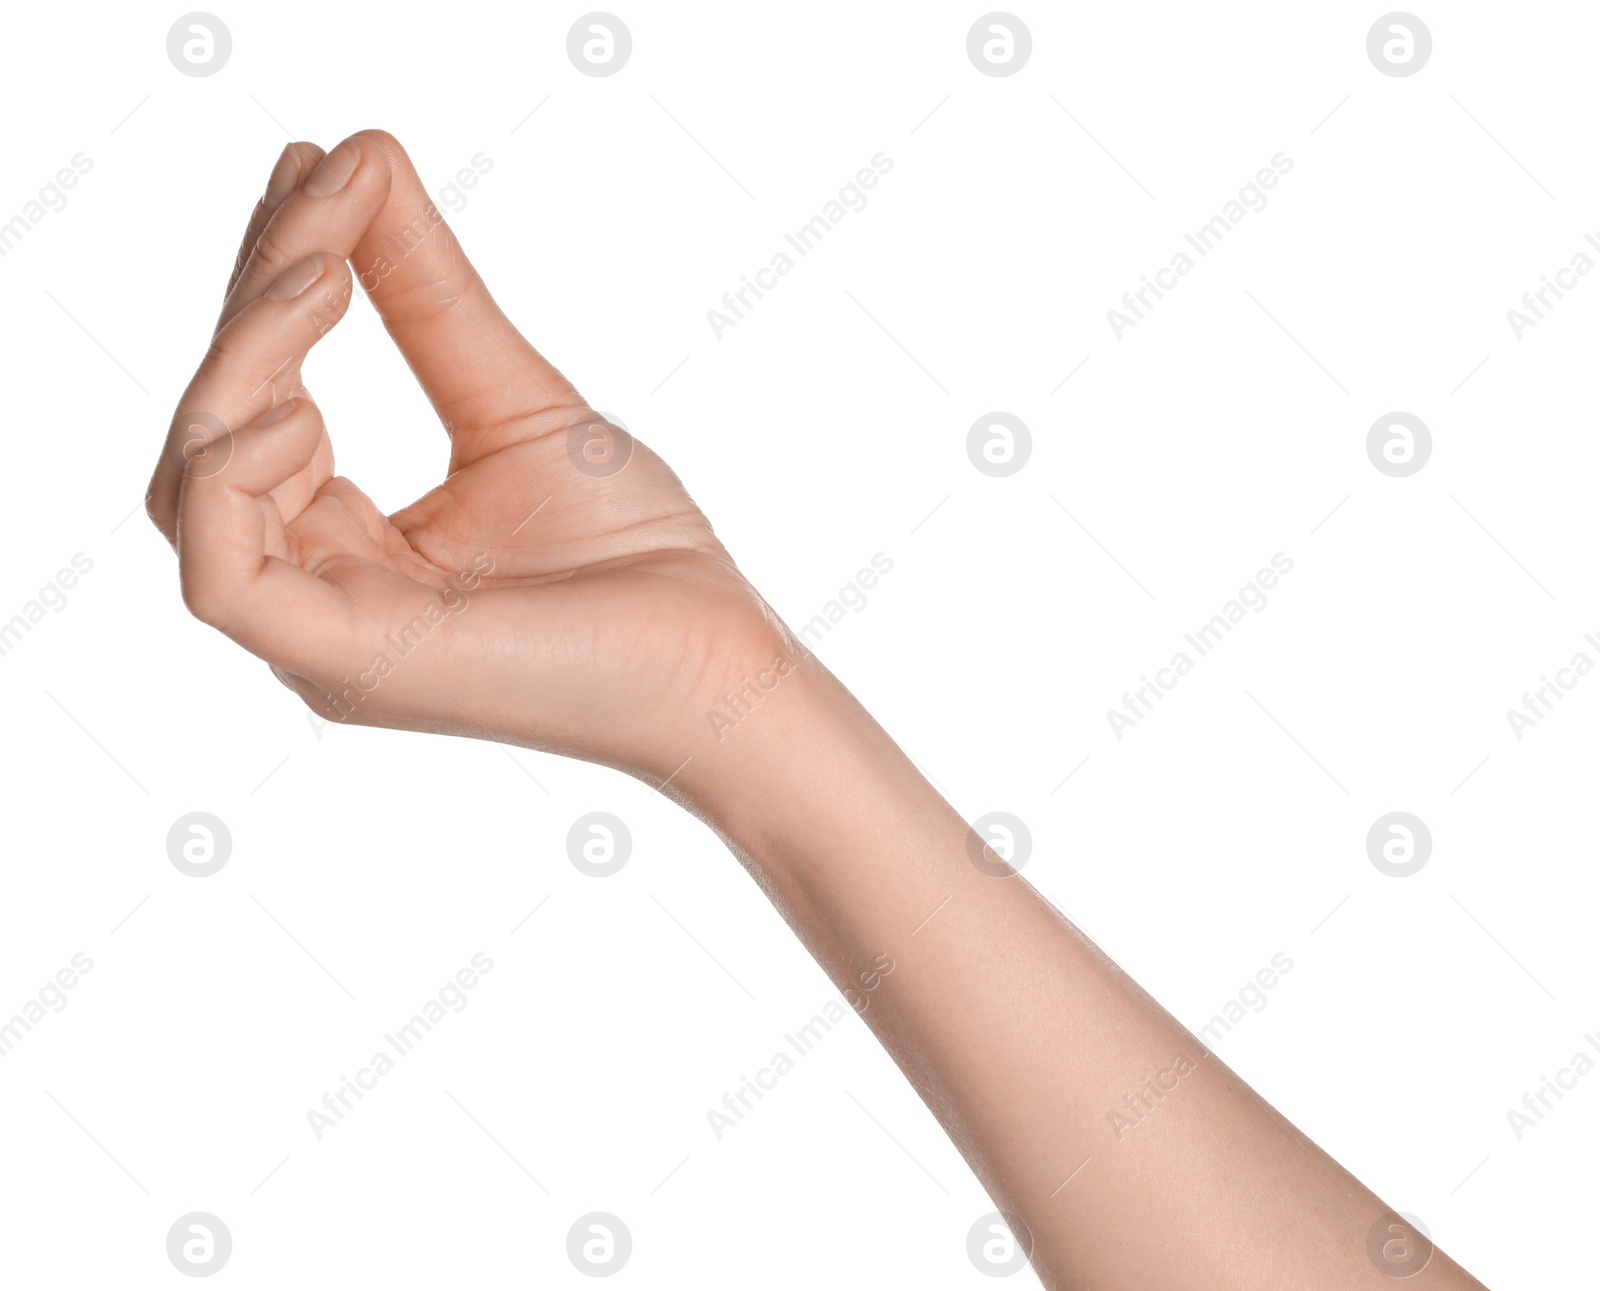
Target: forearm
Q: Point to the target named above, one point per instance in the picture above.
(1041, 1058)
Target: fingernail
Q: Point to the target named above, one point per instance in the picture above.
(281, 184)
(333, 172)
(295, 279)
(274, 415)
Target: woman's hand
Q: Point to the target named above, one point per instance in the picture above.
(559, 589)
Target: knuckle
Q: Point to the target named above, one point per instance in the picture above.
(275, 250)
(220, 349)
(207, 602)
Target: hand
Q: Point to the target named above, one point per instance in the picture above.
(559, 589)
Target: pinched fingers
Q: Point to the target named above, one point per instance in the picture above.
(313, 213)
(242, 376)
(334, 199)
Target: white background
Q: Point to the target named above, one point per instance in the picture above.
(368, 867)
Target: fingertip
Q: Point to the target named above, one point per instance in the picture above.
(316, 287)
(256, 458)
(397, 163)
(284, 178)
(294, 163)
(289, 435)
(382, 140)
(356, 165)
(376, 159)
(306, 155)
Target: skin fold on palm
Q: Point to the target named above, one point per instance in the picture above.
(559, 589)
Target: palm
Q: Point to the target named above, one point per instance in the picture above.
(580, 534)
(539, 516)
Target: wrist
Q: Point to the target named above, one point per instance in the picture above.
(806, 782)
(768, 743)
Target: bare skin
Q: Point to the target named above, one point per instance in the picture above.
(561, 591)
